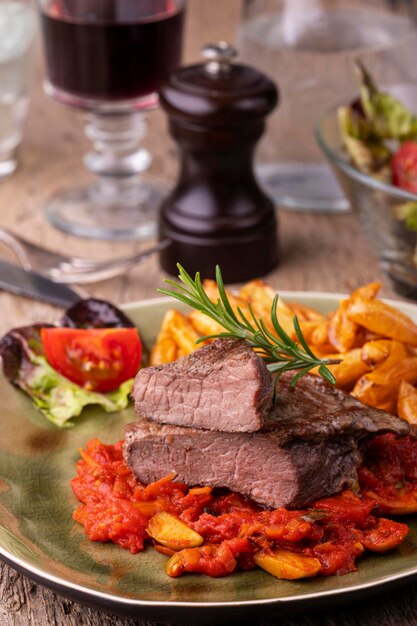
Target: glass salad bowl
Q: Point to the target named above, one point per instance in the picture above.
(387, 213)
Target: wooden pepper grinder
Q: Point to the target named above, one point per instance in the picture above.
(217, 213)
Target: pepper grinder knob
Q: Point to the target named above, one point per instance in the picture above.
(220, 56)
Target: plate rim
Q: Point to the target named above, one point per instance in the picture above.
(62, 585)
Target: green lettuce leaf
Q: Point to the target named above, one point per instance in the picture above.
(388, 118)
(60, 400)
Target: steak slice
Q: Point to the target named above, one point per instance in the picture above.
(226, 386)
(257, 465)
(314, 410)
(222, 386)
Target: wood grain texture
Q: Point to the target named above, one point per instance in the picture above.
(318, 252)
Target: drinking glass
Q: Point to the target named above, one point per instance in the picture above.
(109, 58)
(17, 29)
(309, 47)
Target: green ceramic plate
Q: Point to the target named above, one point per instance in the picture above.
(39, 537)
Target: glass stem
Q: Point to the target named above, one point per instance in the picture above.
(117, 159)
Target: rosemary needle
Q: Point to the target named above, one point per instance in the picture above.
(279, 351)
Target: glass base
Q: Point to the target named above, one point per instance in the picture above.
(7, 167)
(8, 157)
(303, 187)
(81, 212)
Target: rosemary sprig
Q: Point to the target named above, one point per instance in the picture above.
(279, 351)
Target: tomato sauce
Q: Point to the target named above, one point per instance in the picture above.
(388, 474)
(335, 531)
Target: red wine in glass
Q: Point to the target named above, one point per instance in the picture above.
(110, 58)
(103, 50)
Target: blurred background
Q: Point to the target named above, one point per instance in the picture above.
(318, 250)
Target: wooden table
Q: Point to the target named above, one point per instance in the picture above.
(319, 252)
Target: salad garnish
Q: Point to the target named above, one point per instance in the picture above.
(89, 358)
(374, 128)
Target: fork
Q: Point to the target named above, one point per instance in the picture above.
(71, 269)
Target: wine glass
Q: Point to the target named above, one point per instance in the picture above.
(109, 58)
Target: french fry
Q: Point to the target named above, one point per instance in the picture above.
(203, 324)
(181, 331)
(213, 293)
(383, 351)
(177, 338)
(407, 403)
(326, 350)
(260, 297)
(320, 335)
(365, 292)
(380, 387)
(342, 330)
(305, 313)
(164, 350)
(238, 302)
(351, 368)
(383, 319)
(287, 565)
(308, 327)
(172, 532)
(258, 291)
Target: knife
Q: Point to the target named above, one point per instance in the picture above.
(32, 285)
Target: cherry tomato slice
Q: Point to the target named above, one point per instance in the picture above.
(404, 166)
(98, 359)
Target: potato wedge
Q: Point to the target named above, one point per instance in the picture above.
(164, 350)
(383, 352)
(351, 367)
(204, 325)
(383, 319)
(407, 403)
(365, 292)
(260, 297)
(258, 291)
(287, 565)
(320, 335)
(305, 313)
(181, 330)
(213, 293)
(308, 328)
(380, 387)
(342, 330)
(172, 532)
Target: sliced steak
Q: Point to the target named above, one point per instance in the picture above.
(258, 465)
(222, 386)
(226, 386)
(314, 410)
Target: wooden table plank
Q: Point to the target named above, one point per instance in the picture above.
(318, 252)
